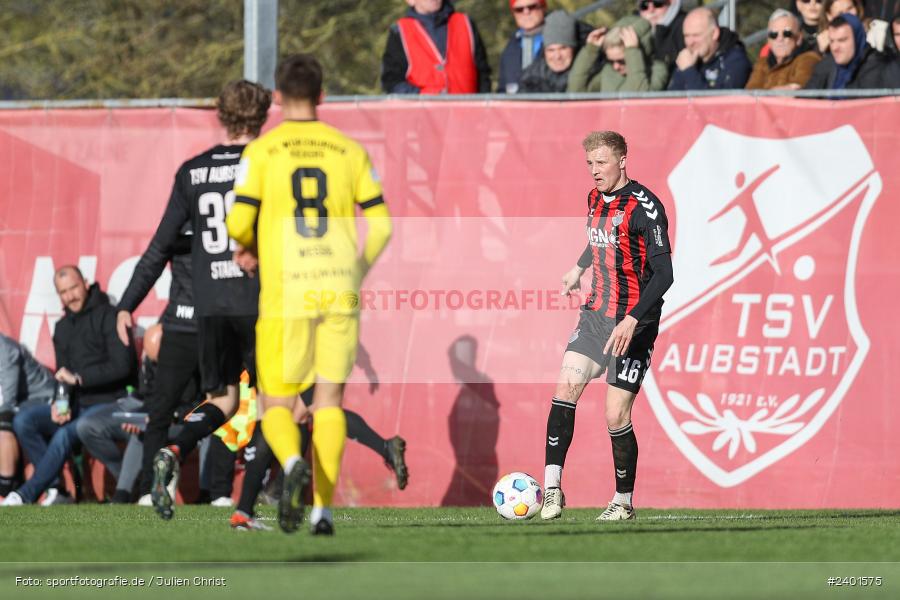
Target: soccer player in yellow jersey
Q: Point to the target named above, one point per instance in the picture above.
(297, 192)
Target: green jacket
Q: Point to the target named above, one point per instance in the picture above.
(644, 73)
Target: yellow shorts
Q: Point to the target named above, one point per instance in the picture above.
(290, 353)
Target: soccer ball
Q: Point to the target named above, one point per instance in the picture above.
(518, 496)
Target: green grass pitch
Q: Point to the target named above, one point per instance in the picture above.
(450, 553)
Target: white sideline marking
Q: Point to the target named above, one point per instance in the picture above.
(703, 517)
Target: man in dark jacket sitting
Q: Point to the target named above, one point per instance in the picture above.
(97, 367)
(713, 58)
(851, 62)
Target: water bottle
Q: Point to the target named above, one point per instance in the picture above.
(61, 398)
(130, 402)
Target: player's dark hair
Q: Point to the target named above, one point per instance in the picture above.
(611, 139)
(242, 107)
(299, 77)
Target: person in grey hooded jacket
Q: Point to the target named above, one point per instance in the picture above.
(24, 382)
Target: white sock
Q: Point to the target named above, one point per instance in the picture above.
(552, 476)
(317, 513)
(289, 463)
(623, 499)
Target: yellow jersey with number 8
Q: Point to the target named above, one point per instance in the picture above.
(300, 184)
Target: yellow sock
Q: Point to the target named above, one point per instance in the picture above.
(281, 433)
(329, 435)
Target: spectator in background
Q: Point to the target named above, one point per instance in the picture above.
(666, 20)
(93, 361)
(713, 58)
(629, 64)
(788, 66)
(134, 425)
(876, 29)
(24, 383)
(809, 12)
(431, 51)
(852, 63)
(524, 45)
(885, 10)
(895, 37)
(550, 73)
(103, 431)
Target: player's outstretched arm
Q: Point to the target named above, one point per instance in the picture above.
(165, 243)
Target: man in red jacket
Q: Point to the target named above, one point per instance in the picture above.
(434, 50)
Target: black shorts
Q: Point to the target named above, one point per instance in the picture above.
(227, 347)
(626, 371)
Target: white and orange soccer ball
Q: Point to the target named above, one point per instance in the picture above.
(518, 496)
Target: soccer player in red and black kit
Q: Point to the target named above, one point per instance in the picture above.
(628, 248)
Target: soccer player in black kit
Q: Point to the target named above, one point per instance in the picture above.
(628, 249)
(225, 297)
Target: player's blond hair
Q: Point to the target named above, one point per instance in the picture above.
(611, 139)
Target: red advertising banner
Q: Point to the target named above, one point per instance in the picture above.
(773, 373)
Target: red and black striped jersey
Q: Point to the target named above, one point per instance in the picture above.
(624, 230)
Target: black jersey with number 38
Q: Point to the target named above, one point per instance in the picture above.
(202, 195)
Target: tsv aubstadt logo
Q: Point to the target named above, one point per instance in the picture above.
(760, 338)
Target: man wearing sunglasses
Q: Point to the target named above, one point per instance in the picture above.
(524, 45)
(713, 58)
(666, 20)
(788, 64)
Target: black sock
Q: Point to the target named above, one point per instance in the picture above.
(625, 455)
(7, 484)
(197, 425)
(305, 438)
(257, 458)
(359, 431)
(560, 430)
